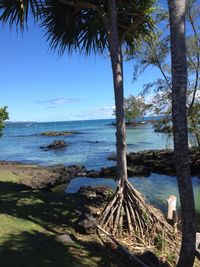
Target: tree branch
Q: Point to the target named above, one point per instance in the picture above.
(84, 4)
(197, 40)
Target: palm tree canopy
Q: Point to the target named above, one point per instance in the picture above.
(82, 25)
(16, 12)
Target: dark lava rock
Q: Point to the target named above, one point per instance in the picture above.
(132, 171)
(45, 178)
(66, 173)
(65, 133)
(56, 144)
(87, 191)
(138, 171)
(76, 170)
(135, 159)
(94, 196)
(92, 174)
(86, 224)
(158, 161)
(103, 191)
(112, 157)
(64, 239)
(95, 191)
(168, 153)
(108, 172)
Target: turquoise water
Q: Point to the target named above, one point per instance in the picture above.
(155, 188)
(21, 142)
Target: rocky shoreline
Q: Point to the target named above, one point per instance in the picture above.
(160, 161)
(41, 178)
(141, 163)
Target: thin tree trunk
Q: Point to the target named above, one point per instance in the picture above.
(179, 89)
(116, 60)
(127, 213)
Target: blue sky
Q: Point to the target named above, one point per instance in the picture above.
(38, 85)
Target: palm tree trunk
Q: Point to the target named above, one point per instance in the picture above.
(179, 89)
(116, 60)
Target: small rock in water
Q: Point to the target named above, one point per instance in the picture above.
(57, 144)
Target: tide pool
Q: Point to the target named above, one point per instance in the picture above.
(156, 188)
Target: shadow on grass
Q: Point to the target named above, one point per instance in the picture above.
(39, 250)
(11, 187)
(55, 213)
(52, 211)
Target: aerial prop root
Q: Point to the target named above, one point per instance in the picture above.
(128, 213)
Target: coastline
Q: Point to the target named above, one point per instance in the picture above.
(140, 164)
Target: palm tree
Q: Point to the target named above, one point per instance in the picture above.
(179, 89)
(98, 26)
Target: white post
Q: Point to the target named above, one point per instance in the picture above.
(171, 201)
(198, 245)
(198, 242)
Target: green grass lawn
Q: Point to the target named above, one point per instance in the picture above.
(30, 221)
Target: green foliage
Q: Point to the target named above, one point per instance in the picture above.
(88, 29)
(134, 107)
(156, 52)
(3, 116)
(82, 25)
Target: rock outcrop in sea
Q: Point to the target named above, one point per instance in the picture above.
(61, 133)
(56, 144)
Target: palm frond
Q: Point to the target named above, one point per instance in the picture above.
(72, 27)
(16, 12)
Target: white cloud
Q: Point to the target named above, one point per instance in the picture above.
(58, 101)
(96, 113)
(100, 111)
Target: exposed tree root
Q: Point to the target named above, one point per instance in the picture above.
(128, 213)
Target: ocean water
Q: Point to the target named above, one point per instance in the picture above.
(91, 147)
(96, 141)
